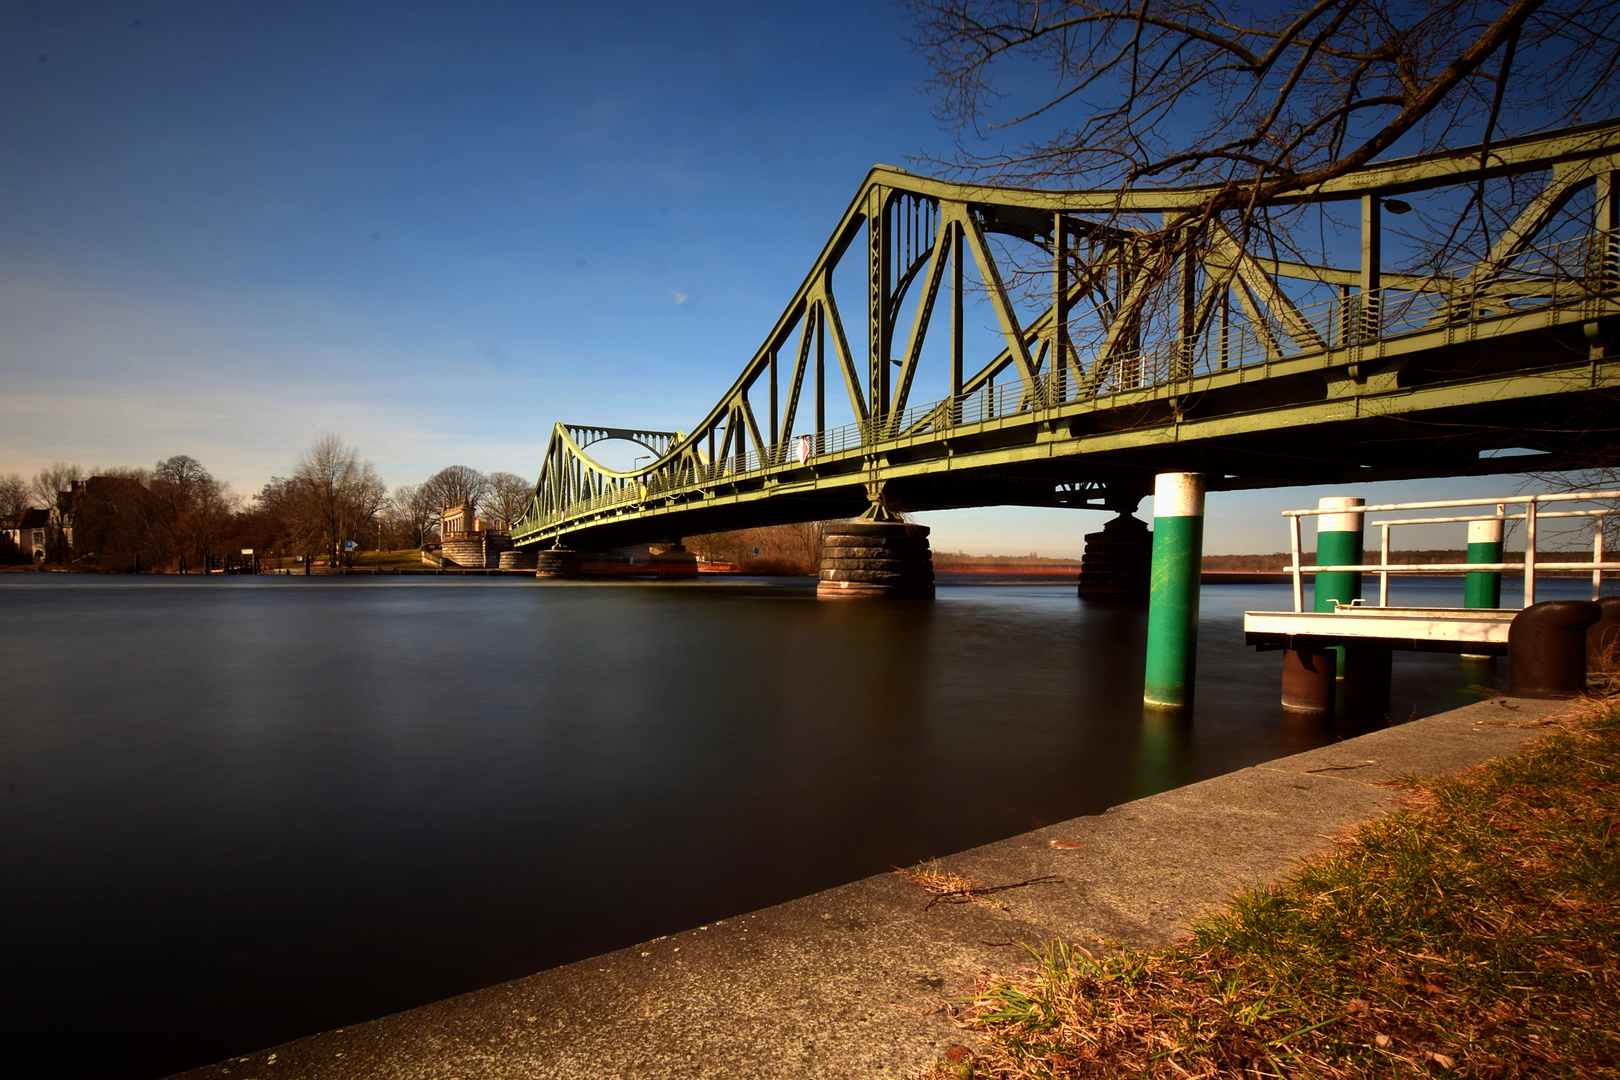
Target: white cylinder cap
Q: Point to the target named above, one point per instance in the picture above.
(1339, 522)
(1178, 494)
(1488, 531)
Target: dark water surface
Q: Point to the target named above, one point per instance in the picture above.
(236, 812)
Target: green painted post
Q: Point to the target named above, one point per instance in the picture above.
(1338, 543)
(1483, 589)
(1178, 548)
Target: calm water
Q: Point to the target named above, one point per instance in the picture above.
(235, 812)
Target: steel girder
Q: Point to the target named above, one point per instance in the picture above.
(1147, 355)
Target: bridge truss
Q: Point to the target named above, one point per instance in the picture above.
(1154, 349)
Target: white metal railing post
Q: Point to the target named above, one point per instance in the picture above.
(1597, 559)
(1299, 581)
(1530, 551)
(1383, 560)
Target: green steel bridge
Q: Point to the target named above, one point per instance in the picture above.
(1134, 356)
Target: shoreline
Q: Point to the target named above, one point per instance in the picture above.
(856, 981)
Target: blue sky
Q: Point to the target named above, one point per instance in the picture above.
(227, 228)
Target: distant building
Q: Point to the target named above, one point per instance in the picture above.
(28, 532)
(469, 542)
(111, 521)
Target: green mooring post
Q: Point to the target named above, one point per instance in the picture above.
(1338, 543)
(1483, 589)
(1178, 549)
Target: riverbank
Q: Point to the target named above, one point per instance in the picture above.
(1478, 930)
(859, 981)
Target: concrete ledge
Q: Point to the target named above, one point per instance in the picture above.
(851, 982)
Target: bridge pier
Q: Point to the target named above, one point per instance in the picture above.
(557, 563)
(873, 558)
(1178, 555)
(1117, 563)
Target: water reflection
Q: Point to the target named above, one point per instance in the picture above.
(1165, 757)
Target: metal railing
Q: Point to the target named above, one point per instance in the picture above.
(1529, 567)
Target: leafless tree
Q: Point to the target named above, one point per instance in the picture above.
(14, 496)
(1266, 98)
(508, 494)
(456, 486)
(337, 494)
(197, 509)
(1258, 101)
(417, 517)
(52, 480)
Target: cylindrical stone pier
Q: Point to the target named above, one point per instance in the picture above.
(864, 559)
(519, 559)
(1117, 563)
(557, 563)
(1483, 588)
(1178, 550)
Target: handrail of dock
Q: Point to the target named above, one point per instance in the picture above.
(1529, 567)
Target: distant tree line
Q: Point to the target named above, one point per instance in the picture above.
(178, 517)
(775, 549)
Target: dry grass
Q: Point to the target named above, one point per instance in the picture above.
(1476, 933)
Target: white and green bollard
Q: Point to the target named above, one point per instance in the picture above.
(1338, 543)
(1178, 551)
(1483, 588)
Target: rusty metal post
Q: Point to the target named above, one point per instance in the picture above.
(1308, 677)
(1547, 649)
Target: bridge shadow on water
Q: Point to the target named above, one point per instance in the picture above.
(239, 812)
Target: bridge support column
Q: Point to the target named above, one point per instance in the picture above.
(557, 563)
(1117, 562)
(1178, 550)
(872, 558)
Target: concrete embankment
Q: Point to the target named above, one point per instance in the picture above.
(855, 982)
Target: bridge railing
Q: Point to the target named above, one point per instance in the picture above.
(1574, 271)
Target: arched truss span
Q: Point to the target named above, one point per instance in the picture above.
(1145, 306)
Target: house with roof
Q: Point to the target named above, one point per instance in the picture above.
(28, 531)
